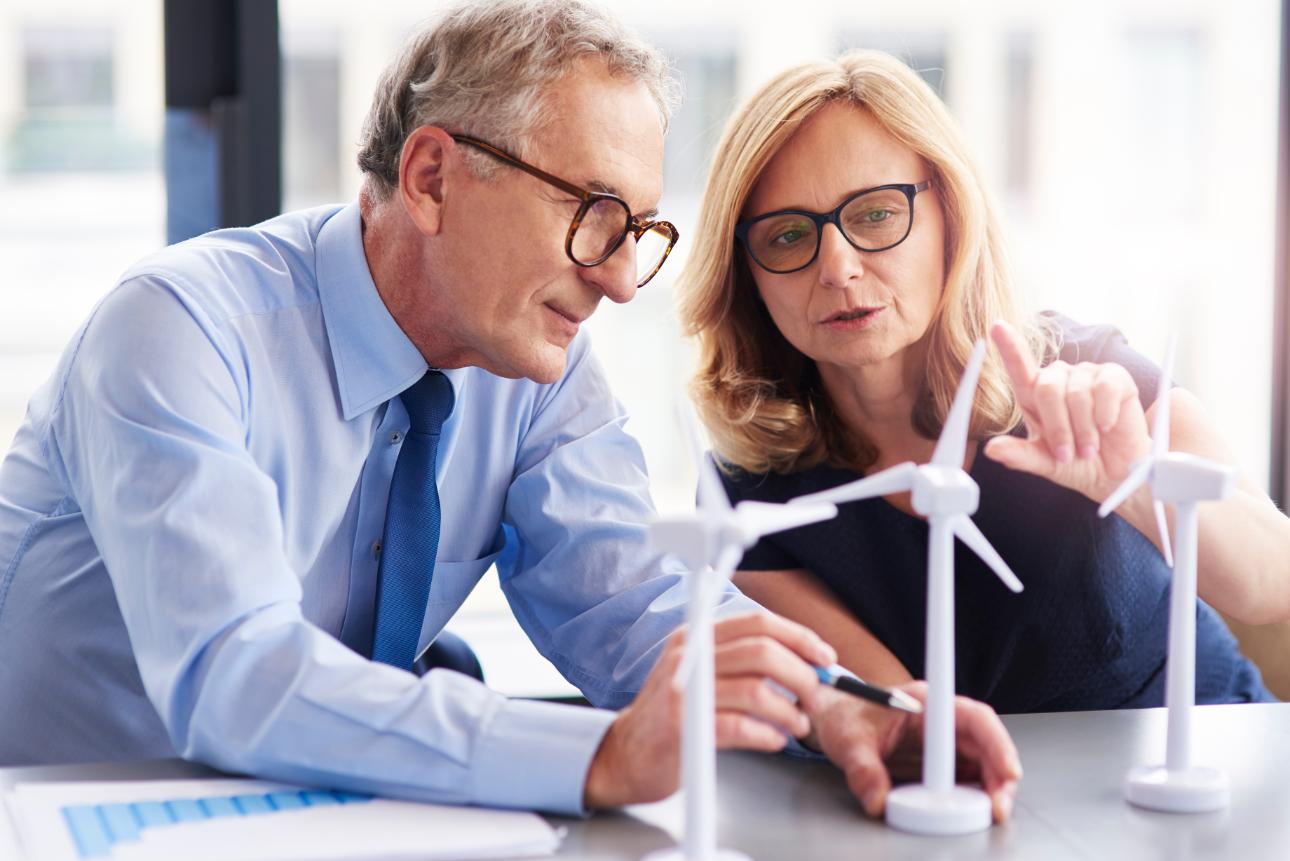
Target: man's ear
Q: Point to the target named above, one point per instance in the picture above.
(424, 170)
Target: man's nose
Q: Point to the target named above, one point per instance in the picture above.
(616, 276)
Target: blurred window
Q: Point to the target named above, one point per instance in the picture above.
(1019, 115)
(68, 67)
(1163, 113)
(81, 195)
(311, 127)
(67, 121)
(923, 50)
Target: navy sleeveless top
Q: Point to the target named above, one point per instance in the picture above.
(1089, 631)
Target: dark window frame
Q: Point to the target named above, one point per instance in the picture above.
(223, 60)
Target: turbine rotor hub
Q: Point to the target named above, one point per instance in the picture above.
(941, 490)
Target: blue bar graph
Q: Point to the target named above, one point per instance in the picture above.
(186, 810)
(121, 821)
(96, 828)
(252, 805)
(217, 808)
(152, 813)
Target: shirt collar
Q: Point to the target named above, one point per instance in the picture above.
(373, 358)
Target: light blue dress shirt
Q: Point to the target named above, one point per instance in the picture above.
(190, 519)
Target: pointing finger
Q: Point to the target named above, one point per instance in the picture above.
(1017, 361)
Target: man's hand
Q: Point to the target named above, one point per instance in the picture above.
(639, 758)
(874, 746)
(1085, 422)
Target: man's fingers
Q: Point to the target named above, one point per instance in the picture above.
(764, 657)
(983, 739)
(676, 641)
(868, 780)
(739, 731)
(1002, 800)
(669, 662)
(855, 735)
(754, 696)
(798, 638)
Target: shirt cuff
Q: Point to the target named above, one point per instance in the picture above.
(535, 756)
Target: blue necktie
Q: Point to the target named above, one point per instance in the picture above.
(411, 526)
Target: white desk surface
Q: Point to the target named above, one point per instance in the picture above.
(1069, 806)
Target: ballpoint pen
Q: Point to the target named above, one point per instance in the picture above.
(844, 680)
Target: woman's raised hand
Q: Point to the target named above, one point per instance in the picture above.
(1085, 422)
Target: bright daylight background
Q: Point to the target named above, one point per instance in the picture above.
(1132, 143)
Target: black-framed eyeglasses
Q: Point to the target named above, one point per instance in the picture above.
(873, 219)
(601, 223)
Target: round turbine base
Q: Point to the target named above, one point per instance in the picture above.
(1190, 790)
(921, 810)
(676, 853)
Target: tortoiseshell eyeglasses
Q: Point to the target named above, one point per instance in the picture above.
(601, 223)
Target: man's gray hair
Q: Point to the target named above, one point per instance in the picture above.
(484, 69)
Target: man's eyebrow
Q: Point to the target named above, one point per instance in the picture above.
(598, 185)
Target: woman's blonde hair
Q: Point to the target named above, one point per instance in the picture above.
(762, 399)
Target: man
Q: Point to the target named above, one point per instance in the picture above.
(275, 460)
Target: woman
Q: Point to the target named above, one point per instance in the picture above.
(847, 260)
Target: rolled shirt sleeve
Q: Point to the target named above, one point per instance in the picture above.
(578, 568)
(191, 517)
(150, 436)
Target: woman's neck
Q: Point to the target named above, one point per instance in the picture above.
(877, 402)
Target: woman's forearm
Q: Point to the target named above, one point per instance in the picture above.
(801, 596)
(1243, 557)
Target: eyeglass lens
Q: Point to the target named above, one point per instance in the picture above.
(872, 222)
(603, 225)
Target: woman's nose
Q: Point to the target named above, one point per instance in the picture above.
(840, 262)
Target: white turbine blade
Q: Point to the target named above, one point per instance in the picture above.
(724, 569)
(765, 518)
(682, 678)
(1160, 430)
(1163, 525)
(951, 448)
(684, 537)
(893, 479)
(705, 585)
(712, 495)
(1141, 472)
(970, 534)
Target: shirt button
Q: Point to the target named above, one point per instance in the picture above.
(395, 437)
(376, 548)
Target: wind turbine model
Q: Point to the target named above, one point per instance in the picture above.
(1183, 480)
(945, 494)
(715, 535)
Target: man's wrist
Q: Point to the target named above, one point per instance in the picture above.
(850, 710)
(534, 755)
(600, 784)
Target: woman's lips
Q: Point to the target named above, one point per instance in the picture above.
(850, 321)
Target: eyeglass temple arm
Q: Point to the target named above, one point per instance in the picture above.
(580, 193)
